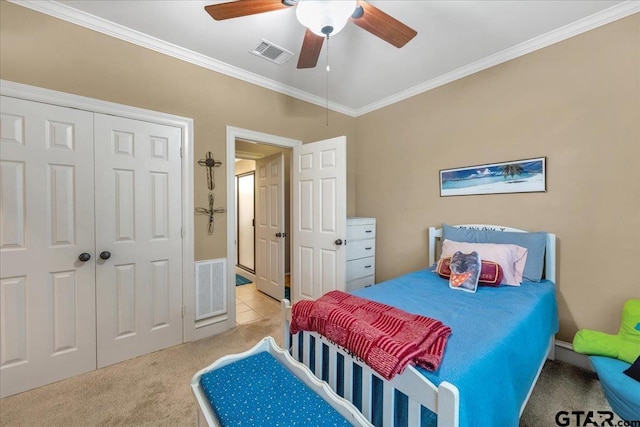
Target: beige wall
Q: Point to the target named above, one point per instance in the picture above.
(244, 166)
(39, 50)
(577, 103)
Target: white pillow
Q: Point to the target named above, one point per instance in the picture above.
(512, 258)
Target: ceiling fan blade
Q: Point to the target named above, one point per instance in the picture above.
(236, 9)
(382, 25)
(311, 47)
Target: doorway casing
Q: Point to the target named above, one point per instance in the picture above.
(254, 137)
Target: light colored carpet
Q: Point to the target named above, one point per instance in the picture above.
(154, 390)
(564, 387)
(149, 390)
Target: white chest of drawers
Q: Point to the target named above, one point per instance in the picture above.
(361, 253)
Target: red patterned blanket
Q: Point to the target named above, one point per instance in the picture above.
(385, 338)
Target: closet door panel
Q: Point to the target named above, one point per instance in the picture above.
(47, 295)
(138, 220)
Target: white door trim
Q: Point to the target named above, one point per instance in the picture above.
(33, 93)
(234, 133)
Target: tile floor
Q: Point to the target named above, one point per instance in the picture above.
(253, 305)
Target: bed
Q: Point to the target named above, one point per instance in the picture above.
(500, 340)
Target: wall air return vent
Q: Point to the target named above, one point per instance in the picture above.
(211, 288)
(271, 52)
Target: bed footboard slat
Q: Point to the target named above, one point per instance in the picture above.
(318, 358)
(348, 379)
(413, 415)
(333, 368)
(367, 388)
(295, 347)
(388, 403)
(306, 352)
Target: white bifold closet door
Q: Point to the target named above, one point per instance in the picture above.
(90, 242)
(47, 295)
(138, 220)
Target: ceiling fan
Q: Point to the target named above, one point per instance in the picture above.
(322, 18)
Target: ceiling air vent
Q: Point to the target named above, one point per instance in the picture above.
(271, 52)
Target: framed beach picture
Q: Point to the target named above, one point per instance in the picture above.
(519, 176)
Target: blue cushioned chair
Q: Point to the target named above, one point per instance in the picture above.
(622, 392)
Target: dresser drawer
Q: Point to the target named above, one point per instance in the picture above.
(363, 282)
(360, 268)
(360, 248)
(360, 232)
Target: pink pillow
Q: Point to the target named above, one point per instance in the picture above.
(511, 258)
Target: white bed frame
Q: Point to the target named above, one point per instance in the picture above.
(206, 415)
(442, 400)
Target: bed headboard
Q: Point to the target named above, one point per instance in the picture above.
(550, 252)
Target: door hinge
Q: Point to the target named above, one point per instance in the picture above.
(182, 232)
(183, 310)
(181, 151)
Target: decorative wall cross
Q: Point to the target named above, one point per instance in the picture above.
(210, 212)
(210, 163)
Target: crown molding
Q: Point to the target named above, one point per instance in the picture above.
(69, 14)
(92, 22)
(596, 20)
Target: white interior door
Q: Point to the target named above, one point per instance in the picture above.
(138, 222)
(270, 229)
(47, 295)
(319, 217)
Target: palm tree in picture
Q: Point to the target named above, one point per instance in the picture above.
(511, 170)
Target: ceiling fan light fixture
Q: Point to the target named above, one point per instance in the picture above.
(325, 17)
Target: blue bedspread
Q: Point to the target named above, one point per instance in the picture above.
(499, 337)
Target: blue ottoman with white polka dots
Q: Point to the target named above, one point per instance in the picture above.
(259, 391)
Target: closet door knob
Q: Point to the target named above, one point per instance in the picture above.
(84, 257)
(338, 242)
(278, 234)
(105, 255)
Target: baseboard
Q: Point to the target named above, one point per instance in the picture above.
(565, 353)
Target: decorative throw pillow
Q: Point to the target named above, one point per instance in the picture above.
(634, 370)
(465, 271)
(511, 258)
(490, 272)
(535, 244)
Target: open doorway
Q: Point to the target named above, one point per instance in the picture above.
(254, 156)
(255, 246)
(262, 236)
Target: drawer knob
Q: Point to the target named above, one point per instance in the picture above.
(338, 242)
(367, 266)
(367, 249)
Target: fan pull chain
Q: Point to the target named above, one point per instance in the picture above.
(328, 69)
